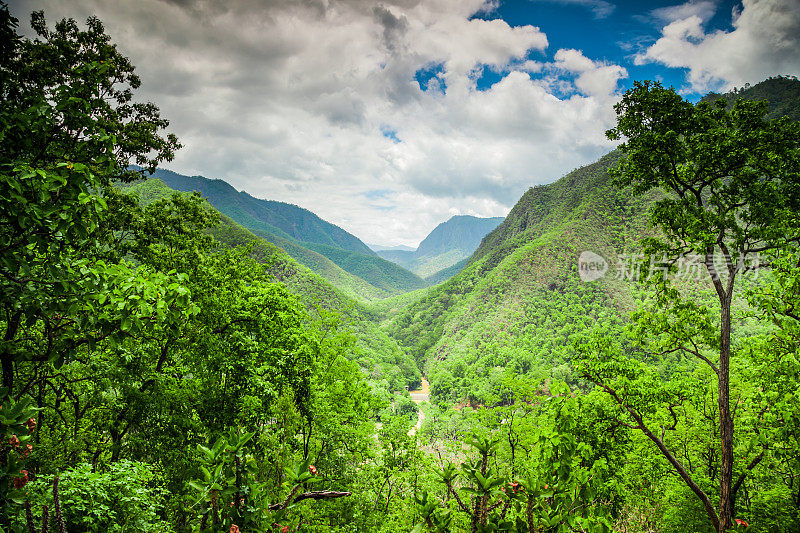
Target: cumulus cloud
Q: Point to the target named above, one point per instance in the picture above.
(765, 41)
(594, 78)
(704, 9)
(316, 102)
(600, 8)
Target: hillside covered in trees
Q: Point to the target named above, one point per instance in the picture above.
(321, 246)
(620, 353)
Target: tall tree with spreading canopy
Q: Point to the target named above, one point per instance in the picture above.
(70, 128)
(731, 184)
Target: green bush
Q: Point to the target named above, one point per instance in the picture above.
(683, 512)
(772, 510)
(126, 497)
(405, 406)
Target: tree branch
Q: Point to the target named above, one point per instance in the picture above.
(687, 478)
(314, 495)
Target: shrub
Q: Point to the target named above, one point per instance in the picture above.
(126, 497)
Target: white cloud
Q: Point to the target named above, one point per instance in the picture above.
(288, 100)
(765, 41)
(593, 77)
(600, 8)
(704, 9)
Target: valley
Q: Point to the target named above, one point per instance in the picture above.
(617, 353)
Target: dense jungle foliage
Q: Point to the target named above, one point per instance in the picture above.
(166, 369)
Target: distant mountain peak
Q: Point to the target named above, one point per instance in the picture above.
(459, 232)
(398, 247)
(449, 244)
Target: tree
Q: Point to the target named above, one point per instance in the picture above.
(557, 493)
(70, 129)
(776, 371)
(732, 191)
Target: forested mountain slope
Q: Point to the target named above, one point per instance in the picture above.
(279, 218)
(377, 353)
(350, 285)
(519, 302)
(303, 235)
(383, 274)
(448, 244)
(782, 93)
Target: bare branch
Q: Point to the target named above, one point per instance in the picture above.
(314, 495)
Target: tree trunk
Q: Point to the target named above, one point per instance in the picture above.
(8, 371)
(7, 357)
(725, 420)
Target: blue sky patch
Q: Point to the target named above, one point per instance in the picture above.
(377, 194)
(487, 77)
(613, 32)
(390, 133)
(428, 73)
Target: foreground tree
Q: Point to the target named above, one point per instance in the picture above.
(732, 184)
(70, 129)
(558, 487)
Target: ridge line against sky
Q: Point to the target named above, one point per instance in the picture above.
(386, 118)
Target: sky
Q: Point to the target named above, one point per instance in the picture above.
(387, 118)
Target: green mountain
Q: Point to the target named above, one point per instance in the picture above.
(379, 272)
(781, 92)
(519, 302)
(277, 218)
(446, 273)
(461, 232)
(449, 244)
(380, 356)
(321, 246)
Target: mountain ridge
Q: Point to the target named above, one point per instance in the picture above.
(448, 244)
(281, 218)
(303, 235)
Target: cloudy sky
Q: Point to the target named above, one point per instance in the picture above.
(387, 117)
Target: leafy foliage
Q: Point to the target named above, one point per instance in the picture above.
(782, 94)
(167, 369)
(127, 496)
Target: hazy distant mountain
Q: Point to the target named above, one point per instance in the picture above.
(461, 232)
(382, 248)
(449, 244)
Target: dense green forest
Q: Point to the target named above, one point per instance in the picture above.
(167, 368)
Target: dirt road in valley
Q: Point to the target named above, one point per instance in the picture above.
(419, 396)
